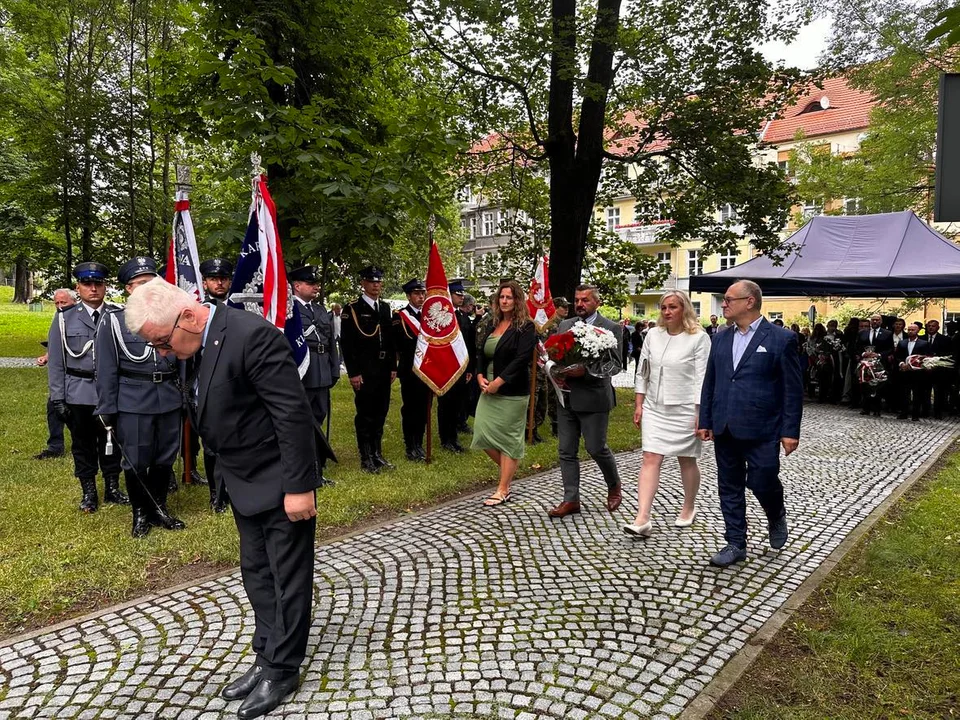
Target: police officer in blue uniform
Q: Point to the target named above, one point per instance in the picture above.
(139, 400)
(414, 392)
(366, 342)
(73, 390)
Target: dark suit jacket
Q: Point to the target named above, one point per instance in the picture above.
(763, 398)
(512, 358)
(921, 347)
(882, 344)
(253, 412)
(589, 393)
(940, 345)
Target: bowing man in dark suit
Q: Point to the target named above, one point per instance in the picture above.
(750, 405)
(913, 382)
(252, 412)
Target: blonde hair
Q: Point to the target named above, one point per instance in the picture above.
(521, 315)
(156, 302)
(689, 322)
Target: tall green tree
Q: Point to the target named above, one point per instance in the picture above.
(677, 92)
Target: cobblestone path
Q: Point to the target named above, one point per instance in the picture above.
(469, 612)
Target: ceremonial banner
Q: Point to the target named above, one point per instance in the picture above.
(260, 280)
(183, 261)
(539, 300)
(441, 356)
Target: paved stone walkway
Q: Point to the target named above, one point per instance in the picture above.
(466, 612)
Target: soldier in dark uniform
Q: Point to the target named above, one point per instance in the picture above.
(139, 400)
(73, 390)
(366, 342)
(415, 393)
(324, 369)
(217, 275)
(452, 406)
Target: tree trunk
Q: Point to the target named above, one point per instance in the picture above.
(576, 161)
(21, 281)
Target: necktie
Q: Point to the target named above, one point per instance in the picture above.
(96, 317)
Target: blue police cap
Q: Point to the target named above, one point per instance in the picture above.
(307, 274)
(414, 284)
(91, 271)
(456, 287)
(372, 273)
(136, 267)
(216, 267)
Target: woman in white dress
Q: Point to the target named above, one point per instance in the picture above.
(673, 363)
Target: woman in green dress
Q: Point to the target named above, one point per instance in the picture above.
(505, 347)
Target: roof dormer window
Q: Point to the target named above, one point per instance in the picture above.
(816, 105)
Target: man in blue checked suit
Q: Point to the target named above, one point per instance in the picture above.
(750, 406)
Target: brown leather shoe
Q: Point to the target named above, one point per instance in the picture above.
(614, 498)
(564, 509)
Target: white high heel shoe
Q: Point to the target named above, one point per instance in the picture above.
(680, 522)
(645, 530)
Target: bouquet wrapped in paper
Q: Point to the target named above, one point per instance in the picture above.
(928, 362)
(595, 349)
(871, 372)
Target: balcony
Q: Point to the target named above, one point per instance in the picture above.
(672, 282)
(642, 234)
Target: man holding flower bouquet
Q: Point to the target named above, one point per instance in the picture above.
(915, 381)
(588, 398)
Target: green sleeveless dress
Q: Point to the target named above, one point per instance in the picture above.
(501, 421)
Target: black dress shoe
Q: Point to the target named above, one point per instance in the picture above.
(243, 685)
(267, 695)
(47, 454)
(382, 462)
(325, 481)
(368, 465)
(195, 478)
(141, 524)
(536, 438)
(219, 506)
(453, 447)
(412, 454)
(421, 453)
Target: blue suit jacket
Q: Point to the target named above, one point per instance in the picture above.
(763, 398)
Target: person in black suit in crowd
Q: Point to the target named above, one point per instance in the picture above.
(941, 379)
(366, 342)
(895, 395)
(713, 328)
(851, 386)
(636, 340)
(451, 406)
(914, 384)
(413, 391)
(872, 342)
(251, 411)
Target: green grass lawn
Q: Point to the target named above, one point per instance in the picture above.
(21, 330)
(881, 638)
(55, 561)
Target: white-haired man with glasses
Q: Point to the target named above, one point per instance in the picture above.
(251, 410)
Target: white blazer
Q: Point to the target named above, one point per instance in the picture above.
(677, 365)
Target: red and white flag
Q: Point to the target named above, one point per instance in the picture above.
(441, 356)
(183, 260)
(539, 300)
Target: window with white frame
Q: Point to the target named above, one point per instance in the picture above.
(728, 213)
(473, 226)
(489, 223)
(473, 264)
(696, 307)
(852, 206)
(639, 309)
(664, 258)
(771, 316)
(694, 263)
(613, 218)
(812, 208)
(728, 259)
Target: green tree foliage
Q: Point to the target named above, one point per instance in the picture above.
(886, 49)
(678, 93)
(353, 127)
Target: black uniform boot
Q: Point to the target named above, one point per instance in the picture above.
(172, 485)
(111, 492)
(158, 477)
(90, 503)
(367, 462)
(378, 457)
(138, 501)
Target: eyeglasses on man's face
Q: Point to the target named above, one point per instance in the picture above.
(729, 300)
(164, 344)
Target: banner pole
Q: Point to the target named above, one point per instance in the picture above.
(187, 452)
(429, 449)
(533, 397)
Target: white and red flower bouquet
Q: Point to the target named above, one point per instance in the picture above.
(928, 362)
(595, 349)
